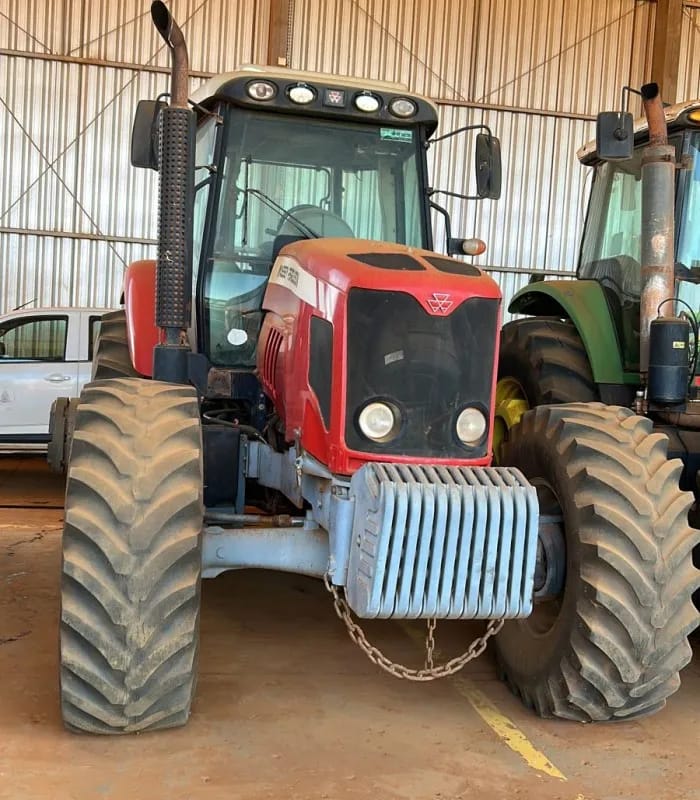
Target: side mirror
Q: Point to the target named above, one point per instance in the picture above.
(144, 134)
(614, 136)
(488, 166)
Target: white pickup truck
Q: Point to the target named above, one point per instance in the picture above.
(45, 353)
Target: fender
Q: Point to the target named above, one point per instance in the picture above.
(583, 302)
(140, 304)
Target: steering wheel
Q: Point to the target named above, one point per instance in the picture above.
(319, 220)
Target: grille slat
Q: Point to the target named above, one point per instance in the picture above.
(461, 586)
(449, 555)
(391, 584)
(408, 559)
(424, 544)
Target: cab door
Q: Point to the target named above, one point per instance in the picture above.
(38, 363)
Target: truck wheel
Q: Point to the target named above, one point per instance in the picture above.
(61, 424)
(130, 590)
(541, 362)
(111, 358)
(610, 645)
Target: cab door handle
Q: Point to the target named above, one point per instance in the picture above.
(56, 377)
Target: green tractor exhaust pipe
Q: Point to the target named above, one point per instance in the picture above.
(658, 182)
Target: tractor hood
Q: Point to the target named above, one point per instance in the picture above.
(439, 283)
(355, 325)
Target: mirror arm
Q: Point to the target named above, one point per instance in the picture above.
(218, 119)
(626, 91)
(431, 192)
(486, 128)
(445, 214)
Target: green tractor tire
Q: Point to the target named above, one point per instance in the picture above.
(547, 358)
(609, 645)
(540, 362)
(131, 570)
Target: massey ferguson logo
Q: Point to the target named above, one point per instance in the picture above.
(440, 303)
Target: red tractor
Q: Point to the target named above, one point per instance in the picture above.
(299, 383)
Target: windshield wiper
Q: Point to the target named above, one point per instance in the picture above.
(310, 233)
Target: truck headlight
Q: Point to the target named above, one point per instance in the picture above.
(379, 421)
(471, 426)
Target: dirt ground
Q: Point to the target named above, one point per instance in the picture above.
(288, 707)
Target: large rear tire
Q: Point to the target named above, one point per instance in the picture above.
(611, 646)
(130, 591)
(111, 358)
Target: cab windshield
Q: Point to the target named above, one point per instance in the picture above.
(283, 178)
(611, 247)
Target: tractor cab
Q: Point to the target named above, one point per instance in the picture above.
(283, 157)
(611, 246)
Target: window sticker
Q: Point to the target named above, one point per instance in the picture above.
(396, 134)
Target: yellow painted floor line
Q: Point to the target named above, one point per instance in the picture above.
(506, 729)
(503, 727)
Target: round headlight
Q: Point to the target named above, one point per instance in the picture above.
(378, 421)
(261, 90)
(301, 94)
(367, 103)
(403, 107)
(471, 426)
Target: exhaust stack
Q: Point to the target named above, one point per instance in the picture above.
(175, 201)
(174, 38)
(658, 184)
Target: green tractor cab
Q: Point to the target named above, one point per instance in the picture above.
(581, 340)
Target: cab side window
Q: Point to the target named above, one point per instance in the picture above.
(35, 339)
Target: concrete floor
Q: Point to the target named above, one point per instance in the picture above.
(288, 707)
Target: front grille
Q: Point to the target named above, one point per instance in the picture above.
(429, 367)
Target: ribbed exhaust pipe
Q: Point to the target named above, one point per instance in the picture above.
(658, 186)
(175, 201)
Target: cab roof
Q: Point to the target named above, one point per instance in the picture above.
(676, 119)
(230, 85)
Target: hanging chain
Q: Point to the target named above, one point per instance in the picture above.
(430, 672)
(430, 643)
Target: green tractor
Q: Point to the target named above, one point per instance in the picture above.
(582, 339)
(622, 336)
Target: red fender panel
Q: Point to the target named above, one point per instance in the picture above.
(140, 303)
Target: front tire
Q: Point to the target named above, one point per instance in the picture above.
(611, 646)
(549, 361)
(130, 590)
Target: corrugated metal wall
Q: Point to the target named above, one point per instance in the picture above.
(73, 212)
(689, 67)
